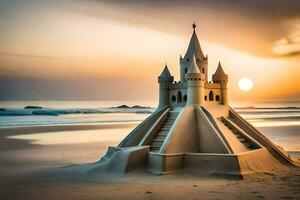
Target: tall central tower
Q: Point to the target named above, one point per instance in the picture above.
(194, 50)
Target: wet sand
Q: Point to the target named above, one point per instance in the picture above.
(36, 171)
(285, 136)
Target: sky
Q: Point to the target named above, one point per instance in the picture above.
(114, 50)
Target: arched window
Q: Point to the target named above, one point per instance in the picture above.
(205, 98)
(179, 97)
(185, 70)
(217, 98)
(211, 96)
(173, 98)
(203, 70)
(188, 59)
(184, 98)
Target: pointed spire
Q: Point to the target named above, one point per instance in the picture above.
(220, 70)
(165, 72)
(194, 47)
(193, 67)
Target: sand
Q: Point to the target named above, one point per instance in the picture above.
(33, 170)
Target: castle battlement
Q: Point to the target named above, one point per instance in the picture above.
(177, 85)
(212, 86)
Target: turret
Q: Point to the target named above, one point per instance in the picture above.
(194, 50)
(220, 77)
(195, 84)
(164, 80)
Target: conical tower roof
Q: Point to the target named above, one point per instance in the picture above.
(165, 72)
(194, 47)
(220, 70)
(193, 67)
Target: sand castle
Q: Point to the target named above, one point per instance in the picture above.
(195, 130)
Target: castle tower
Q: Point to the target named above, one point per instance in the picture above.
(194, 49)
(220, 77)
(164, 80)
(195, 86)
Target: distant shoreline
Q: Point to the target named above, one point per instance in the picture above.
(68, 127)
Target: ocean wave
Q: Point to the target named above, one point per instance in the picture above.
(57, 112)
(266, 108)
(256, 112)
(273, 118)
(273, 113)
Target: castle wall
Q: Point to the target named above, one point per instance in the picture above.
(178, 97)
(178, 94)
(212, 96)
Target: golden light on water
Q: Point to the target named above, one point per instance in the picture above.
(245, 84)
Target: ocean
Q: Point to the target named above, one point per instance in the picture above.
(279, 121)
(14, 113)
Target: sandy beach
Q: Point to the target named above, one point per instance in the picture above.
(149, 100)
(36, 169)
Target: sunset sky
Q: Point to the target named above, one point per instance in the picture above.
(115, 49)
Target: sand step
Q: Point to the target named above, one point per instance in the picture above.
(248, 145)
(169, 122)
(161, 136)
(167, 125)
(162, 133)
(164, 129)
(154, 149)
(172, 119)
(159, 139)
(242, 139)
(157, 143)
(235, 131)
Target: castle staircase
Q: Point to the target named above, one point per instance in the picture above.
(246, 140)
(162, 133)
(263, 140)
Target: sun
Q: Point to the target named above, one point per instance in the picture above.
(245, 84)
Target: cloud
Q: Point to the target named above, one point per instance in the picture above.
(26, 55)
(265, 7)
(290, 44)
(249, 26)
(80, 88)
(287, 47)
